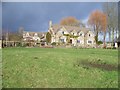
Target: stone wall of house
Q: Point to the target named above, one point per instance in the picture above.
(81, 41)
(90, 40)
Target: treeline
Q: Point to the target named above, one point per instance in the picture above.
(13, 35)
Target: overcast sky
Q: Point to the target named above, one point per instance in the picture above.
(34, 16)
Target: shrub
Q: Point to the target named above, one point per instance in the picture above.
(24, 45)
(100, 42)
(19, 44)
(48, 37)
(58, 43)
(54, 43)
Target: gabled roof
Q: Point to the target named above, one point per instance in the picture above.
(33, 33)
(57, 27)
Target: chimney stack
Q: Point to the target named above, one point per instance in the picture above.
(50, 24)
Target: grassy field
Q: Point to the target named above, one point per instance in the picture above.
(59, 67)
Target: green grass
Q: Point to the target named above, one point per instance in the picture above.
(57, 67)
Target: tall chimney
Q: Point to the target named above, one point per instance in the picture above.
(50, 24)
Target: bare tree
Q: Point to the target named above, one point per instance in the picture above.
(111, 10)
(97, 20)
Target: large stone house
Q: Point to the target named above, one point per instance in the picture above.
(77, 36)
(66, 35)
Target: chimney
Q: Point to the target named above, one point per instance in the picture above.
(50, 24)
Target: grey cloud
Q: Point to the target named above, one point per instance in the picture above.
(35, 16)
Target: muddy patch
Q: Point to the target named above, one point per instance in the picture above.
(96, 64)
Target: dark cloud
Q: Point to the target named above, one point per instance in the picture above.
(35, 16)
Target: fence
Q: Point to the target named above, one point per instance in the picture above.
(19, 44)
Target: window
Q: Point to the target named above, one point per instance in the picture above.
(73, 33)
(78, 41)
(37, 39)
(89, 41)
(62, 40)
(63, 32)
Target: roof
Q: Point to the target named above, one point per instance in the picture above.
(57, 27)
(32, 33)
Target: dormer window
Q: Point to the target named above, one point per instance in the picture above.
(80, 34)
(63, 32)
(27, 34)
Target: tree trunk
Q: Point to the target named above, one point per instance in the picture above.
(104, 42)
(109, 32)
(109, 36)
(84, 41)
(96, 39)
(116, 33)
(113, 36)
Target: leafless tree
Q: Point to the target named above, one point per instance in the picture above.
(111, 10)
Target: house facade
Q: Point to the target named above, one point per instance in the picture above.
(36, 37)
(77, 36)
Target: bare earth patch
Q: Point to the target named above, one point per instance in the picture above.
(97, 64)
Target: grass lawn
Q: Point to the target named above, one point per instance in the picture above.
(59, 67)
